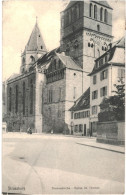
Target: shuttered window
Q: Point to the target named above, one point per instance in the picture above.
(103, 91)
(94, 94)
(94, 79)
(94, 110)
(103, 75)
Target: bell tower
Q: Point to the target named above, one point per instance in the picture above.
(33, 50)
(86, 32)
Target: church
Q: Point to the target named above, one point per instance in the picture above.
(49, 83)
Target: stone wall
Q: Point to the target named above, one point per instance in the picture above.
(19, 121)
(111, 132)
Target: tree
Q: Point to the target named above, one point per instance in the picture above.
(113, 108)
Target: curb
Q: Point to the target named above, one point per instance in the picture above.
(111, 150)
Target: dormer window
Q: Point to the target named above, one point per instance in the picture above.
(100, 61)
(41, 47)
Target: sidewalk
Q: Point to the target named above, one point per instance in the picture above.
(91, 142)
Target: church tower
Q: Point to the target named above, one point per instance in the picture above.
(33, 50)
(86, 32)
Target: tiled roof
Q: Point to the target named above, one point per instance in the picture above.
(69, 62)
(104, 3)
(66, 60)
(112, 52)
(83, 102)
(47, 56)
(35, 41)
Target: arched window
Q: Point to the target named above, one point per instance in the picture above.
(73, 14)
(101, 14)
(60, 64)
(31, 97)
(16, 100)
(98, 27)
(90, 9)
(23, 98)
(78, 10)
(32, 59)
(98, 53)
(54, 64)
(95, 12)
(70, 16)
(23, 60)
(105, 16)
(67, 18)
(10, 98)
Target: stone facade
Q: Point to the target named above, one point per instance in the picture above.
(63, 87)
(50, 83)
(24, 90)
(86, 33)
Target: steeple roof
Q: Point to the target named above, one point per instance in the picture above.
(35, 41)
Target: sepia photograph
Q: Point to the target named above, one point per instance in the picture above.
(63, 97)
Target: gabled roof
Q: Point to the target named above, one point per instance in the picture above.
(45, 58)
(103, 3)
(68, 62)
(83, 102)
(35, 41)
(113, 56)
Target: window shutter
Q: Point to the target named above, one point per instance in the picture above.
(101, 76)
(97, 94)
(105, 90)
(106, 74)
(92, 95)
(101, 92)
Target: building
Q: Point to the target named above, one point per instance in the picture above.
(24, 90)
(86, 32)
(49, 83)
(108, 69)
(80, 115)
(4, 101)
(63, 85)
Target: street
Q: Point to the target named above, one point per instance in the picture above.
(56, 164)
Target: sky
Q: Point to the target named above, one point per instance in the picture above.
(18, 20)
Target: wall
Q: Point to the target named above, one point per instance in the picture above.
(40, 79)
(83, 121)
(111, 132)
(74, 84)
(99, 84)
(54, 112)
(18, 121)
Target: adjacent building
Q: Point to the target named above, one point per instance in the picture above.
(108, 69)
(80, 115)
